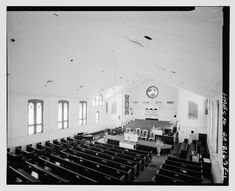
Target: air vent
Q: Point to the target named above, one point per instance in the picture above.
(170, 102)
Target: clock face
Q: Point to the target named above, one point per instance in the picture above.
(152, 92)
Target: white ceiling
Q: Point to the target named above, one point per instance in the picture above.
(109, 49)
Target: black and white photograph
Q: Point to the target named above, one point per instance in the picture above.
(117, 96)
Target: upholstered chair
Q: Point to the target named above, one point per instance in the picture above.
(138, 131)
(144, 134)
(151, 136)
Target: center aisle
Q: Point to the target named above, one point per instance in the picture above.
(150, 170)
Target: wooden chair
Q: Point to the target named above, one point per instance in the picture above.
(138, 131)
(151, 136)
(144, 134)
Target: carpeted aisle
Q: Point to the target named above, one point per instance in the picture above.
(150, 170)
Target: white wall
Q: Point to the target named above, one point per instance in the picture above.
(216, 158)
(18, 119)
(166, 93)
(198, 125)
(115, 118)
(119, 118)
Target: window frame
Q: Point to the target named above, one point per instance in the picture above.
(97, 117)
(217, 126)
(63, 102)
(98, 100)
(82, 115)
(35, 124)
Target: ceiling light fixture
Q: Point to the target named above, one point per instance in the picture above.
(148, 38)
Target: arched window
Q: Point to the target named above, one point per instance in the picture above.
(35, 116)
(63, 114)
(82, 113)
(97, 117)
(98, 101)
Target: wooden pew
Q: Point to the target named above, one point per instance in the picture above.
(186, 178)
(183, 161)
(184, 165)
(86, 171)
(74, 177)
(166, 180)
(194, 145)
(18, 150)
(49, 147)
(110, 157)
(67, 143)
(13, 158)
(98, 134)
(29, 152)
(58, 145)
(79, 136)
(113, 156)
(184, 149)
(44, 175)
(183, 171)
(140, 156)
(95, 165)
(129, 169)
(146, 153)
(14, 173)
(140, 162)
(73, 141)
(40, 150)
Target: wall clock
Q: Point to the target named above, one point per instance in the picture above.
(152, 92)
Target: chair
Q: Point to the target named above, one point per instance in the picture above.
(128, 129)
(138, 131)
(144, 134)
(152, 136)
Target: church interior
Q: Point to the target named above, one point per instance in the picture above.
(113, 97)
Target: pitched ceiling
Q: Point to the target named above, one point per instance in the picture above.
(77, 54)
